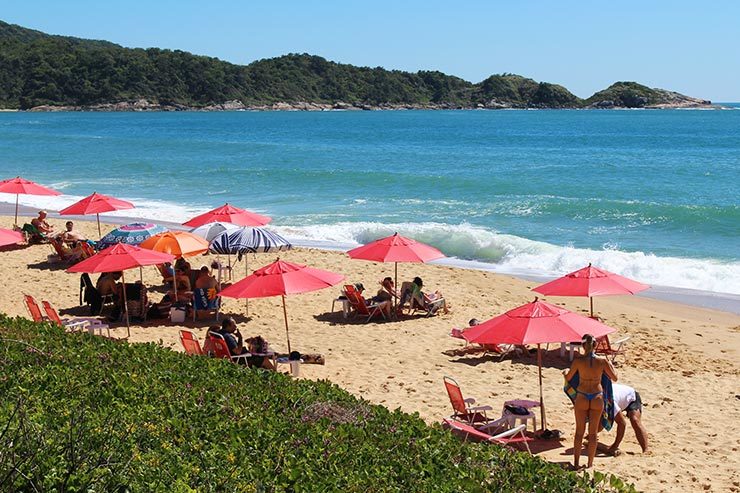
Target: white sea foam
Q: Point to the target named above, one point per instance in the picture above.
(521, 256)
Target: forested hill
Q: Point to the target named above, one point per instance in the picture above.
(37, 69)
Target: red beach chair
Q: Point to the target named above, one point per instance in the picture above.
(190, 343)
(505, 438)
(33, 308)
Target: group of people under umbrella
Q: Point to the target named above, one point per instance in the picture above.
(232, 231)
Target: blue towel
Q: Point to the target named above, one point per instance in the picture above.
(607, 417)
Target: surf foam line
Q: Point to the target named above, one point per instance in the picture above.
(481, 248)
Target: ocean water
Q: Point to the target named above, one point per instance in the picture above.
(654, 195)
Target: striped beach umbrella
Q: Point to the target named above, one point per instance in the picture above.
(130, 234)
(248, 240)
(210, 231)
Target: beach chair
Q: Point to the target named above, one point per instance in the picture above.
(75, 323)
(463, 409)
(190, 343)
(137, 301)
(505, 438)
(427, 306)
(359, 306)
(609, 349)
(33, 308)
(61, 253)
(33, 235)
(205, 300)
(221, 349)
(90, 296)
(501, 350)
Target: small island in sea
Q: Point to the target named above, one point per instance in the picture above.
(43, 72)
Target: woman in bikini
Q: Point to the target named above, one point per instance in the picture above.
(589, 403)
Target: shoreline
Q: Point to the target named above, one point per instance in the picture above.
(400, 364)
(723, 302)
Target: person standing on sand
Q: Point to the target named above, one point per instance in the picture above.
(589, 401)
(627, 400)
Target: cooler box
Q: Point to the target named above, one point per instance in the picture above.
(177, 314)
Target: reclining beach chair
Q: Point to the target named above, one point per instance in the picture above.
(33, 235)
(505, 438)
(607, 348)
(137, 301)
(501, 350)
(205, 300)
(190, 343)
(221, 350)
(33, 308)
(427, 306)
(76, 323)
(62, 255)
(359, 306)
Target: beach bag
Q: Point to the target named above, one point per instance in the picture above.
(518, 410)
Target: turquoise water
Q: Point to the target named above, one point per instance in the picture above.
(650, 194)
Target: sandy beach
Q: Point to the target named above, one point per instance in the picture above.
(683, 360)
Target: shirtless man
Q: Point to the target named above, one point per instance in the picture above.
(41, 225)
(589, 403)
(69, 235)
(205, 280)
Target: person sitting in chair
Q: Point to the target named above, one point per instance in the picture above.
(205, 280)
(41, 225)
(422, 299)
(69, 235)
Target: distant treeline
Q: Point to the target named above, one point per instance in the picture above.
(41, 69)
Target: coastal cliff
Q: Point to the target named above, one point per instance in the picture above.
(42, 72)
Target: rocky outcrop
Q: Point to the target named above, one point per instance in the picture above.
(634, 95)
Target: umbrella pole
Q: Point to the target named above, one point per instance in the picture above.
(395, 300)
(125, 304)
(542, 400)
(100, 235)
(246, 273)
(285, 315)
(591, 299)
(15, 222)
(228, 255)
(141, 274)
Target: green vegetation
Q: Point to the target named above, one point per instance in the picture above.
(40, 69)
(82, 413)
(627, 95)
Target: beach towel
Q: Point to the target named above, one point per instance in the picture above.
(607, 417)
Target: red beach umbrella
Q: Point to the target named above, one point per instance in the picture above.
(279, 279)
(95, 204)
(20, 186)
(229, 214)
(538, 323)
(9, 237)
(590, 281)
(396, 248)
(121, 257)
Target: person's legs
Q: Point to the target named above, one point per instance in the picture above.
(580, 409)
(640, 432)
(594, 419)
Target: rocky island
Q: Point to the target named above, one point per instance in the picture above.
(43, 72)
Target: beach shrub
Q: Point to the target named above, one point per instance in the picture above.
(83, 413)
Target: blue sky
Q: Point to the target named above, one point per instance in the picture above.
(690, 47)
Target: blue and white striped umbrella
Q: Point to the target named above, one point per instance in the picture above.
(249, 240)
